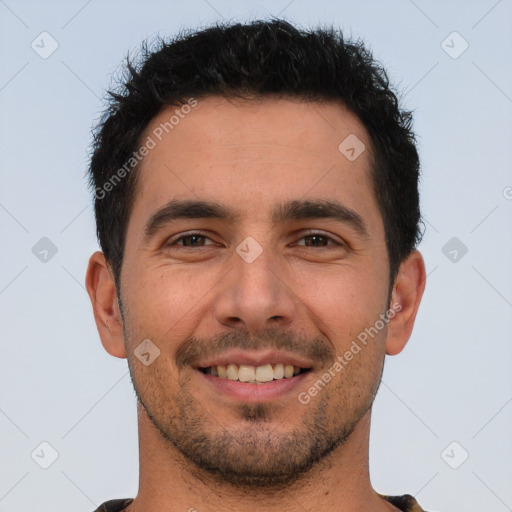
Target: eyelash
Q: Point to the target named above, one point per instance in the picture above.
(173, 243)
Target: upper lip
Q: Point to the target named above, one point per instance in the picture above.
(255, 358)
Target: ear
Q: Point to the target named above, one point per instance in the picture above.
(101, 288)
(405, 301)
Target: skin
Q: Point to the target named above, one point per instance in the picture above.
(280, 454)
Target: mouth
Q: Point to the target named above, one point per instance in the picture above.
(254, 374)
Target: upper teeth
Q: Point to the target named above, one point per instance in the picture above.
(250, 373)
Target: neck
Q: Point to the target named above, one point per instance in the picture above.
(169, 482)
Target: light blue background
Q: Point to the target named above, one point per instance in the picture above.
(453, 381)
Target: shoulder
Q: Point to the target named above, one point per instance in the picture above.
(114, 505)
(406, 503)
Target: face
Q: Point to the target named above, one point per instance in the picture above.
(281, 263)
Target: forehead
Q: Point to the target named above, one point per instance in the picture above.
(252, 152)
(232, 126)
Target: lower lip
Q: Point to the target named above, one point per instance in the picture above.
(263, 392)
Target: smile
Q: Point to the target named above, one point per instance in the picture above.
(254, 374)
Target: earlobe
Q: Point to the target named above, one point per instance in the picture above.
(407, 292)
(101, 288)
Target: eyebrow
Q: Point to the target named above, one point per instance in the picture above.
(177, 209)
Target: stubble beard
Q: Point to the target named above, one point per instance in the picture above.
(256, 453)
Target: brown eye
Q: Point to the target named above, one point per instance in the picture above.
(316, 240)
(190, 240)
(319, 240)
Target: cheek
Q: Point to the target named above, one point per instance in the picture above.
(345, 300)
(163, 301)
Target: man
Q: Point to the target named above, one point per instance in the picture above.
(257, 207)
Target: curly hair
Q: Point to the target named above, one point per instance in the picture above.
(261, 58)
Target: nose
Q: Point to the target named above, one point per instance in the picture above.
(255, 296)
